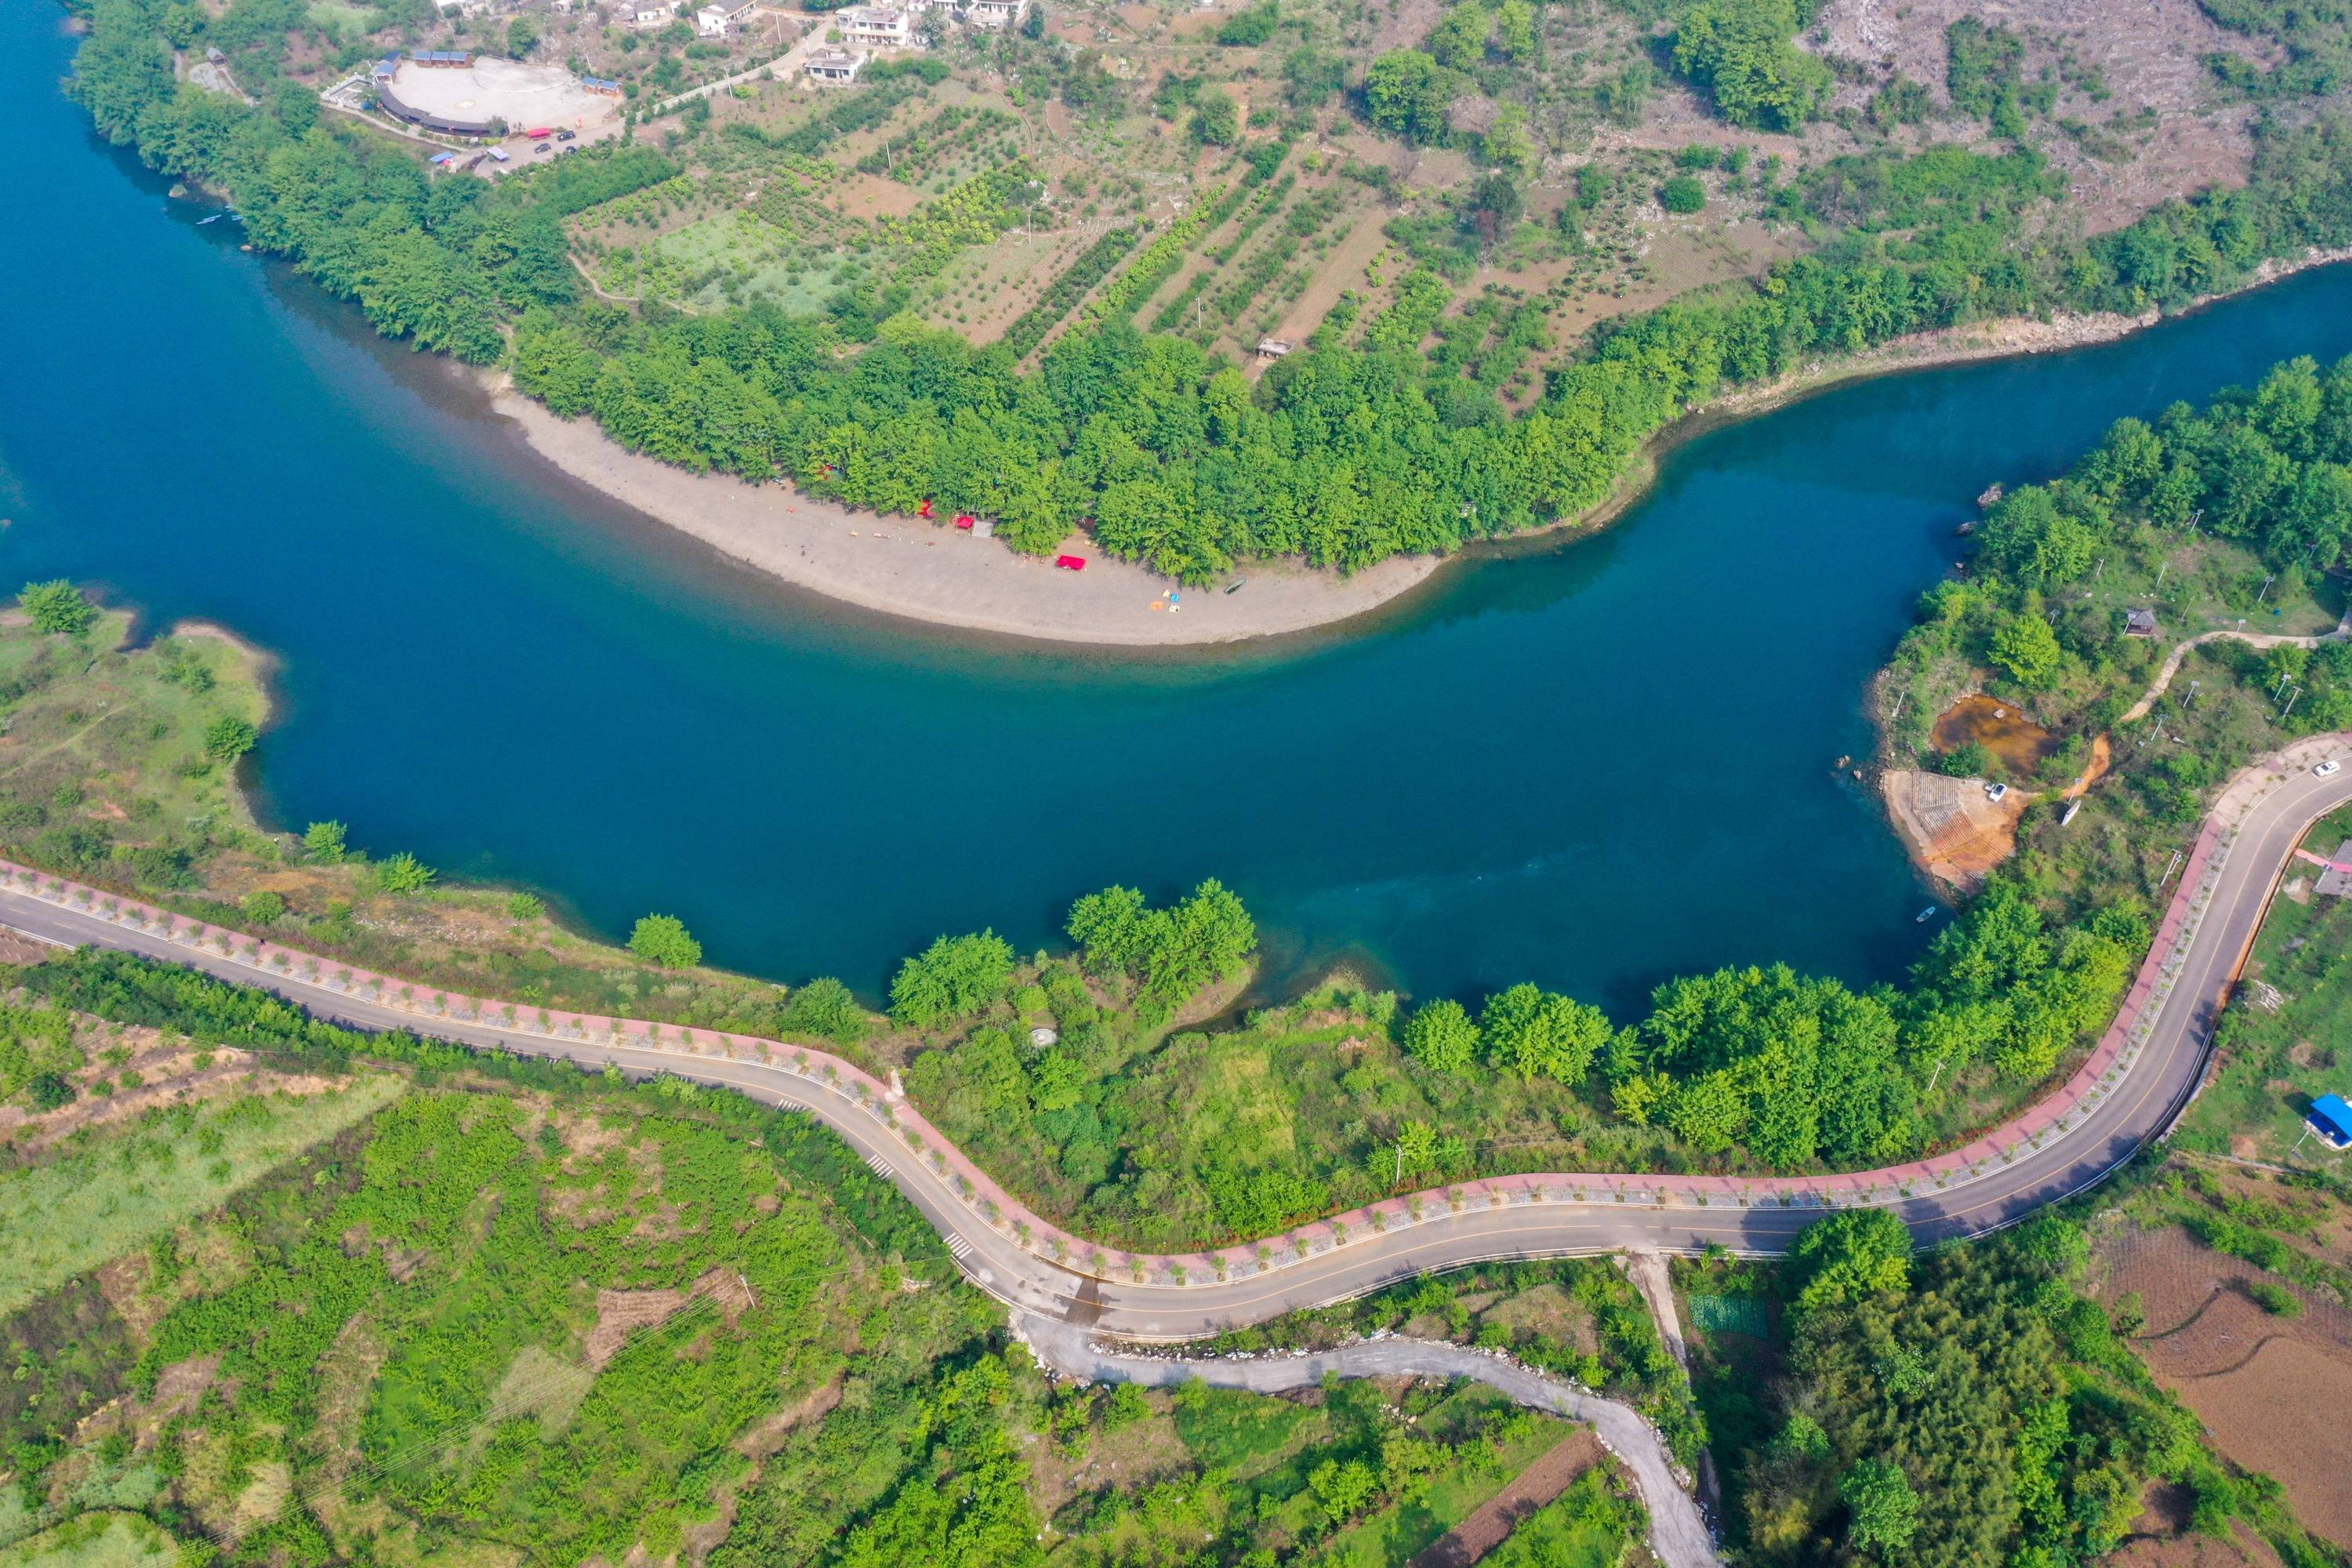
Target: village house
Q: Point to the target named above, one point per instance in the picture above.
(2139, 622)
(652, 13)
(833, 65)
(717, 19)
(996, 12)
(876, 26)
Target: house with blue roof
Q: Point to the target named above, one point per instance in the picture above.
(2332, 1119)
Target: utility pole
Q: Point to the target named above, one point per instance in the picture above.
(2190, 698)
(2169, 866)
(2289, 704)
(2266, 590)
(1936, 1075)
(2162, 569)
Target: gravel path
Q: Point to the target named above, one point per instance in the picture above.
(1677, 1534)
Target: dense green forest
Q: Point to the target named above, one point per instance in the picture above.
(1342, 455)
(1973, 1404)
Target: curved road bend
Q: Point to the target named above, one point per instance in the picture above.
(2051, 1153)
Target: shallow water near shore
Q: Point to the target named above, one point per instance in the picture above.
(1593, 764)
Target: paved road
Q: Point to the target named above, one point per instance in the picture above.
(2131, 1089)
(2134, 1088)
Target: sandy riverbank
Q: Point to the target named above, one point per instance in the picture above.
(930, 572)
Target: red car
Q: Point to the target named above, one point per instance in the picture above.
(1071, 563)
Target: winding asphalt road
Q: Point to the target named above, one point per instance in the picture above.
(2134, 1085)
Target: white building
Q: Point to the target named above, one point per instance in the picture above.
(995, 13)
(876, 26)
(832, 65)
(653, 13)
(710, 21)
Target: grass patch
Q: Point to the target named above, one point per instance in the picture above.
(114, 1196)
(95, 1540)
(1235, 1432)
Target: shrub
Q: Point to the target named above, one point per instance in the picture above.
(263, 907)
(2275, 1299)
(404, 873)
(525, 906)
(323, 841)
(50, 1090)
(825, 1007)
(1683, 193)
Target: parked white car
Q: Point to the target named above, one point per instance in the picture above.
(2326, 769)
(1996, 791)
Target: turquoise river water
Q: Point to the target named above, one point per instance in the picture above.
(1593, 764)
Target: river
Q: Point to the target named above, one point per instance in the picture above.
(1592, 764)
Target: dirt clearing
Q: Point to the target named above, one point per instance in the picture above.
(2270, 1389)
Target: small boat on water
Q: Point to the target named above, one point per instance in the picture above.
(214, 218)
(1926, 914)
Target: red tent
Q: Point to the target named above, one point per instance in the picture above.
(965, 519)
(1071, 563)
(926, 511)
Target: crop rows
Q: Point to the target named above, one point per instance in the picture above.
(1067, 289)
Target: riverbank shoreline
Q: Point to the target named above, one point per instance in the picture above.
(928, 571)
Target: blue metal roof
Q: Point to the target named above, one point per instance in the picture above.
(2333, 1118)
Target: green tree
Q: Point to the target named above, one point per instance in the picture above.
(952, 979)
(1884, 1512)
(2028, 649)
(1440, 1036)
(664, 941)
(1683, 193)
(228, 738)
(522, 36)
(263, 907)
(1744, 54)
(1408, 93)
(1851, 1254)
(1216, 119)
(1542, 1034)
(49, 1090)
(57, 609)
(1112, 928)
